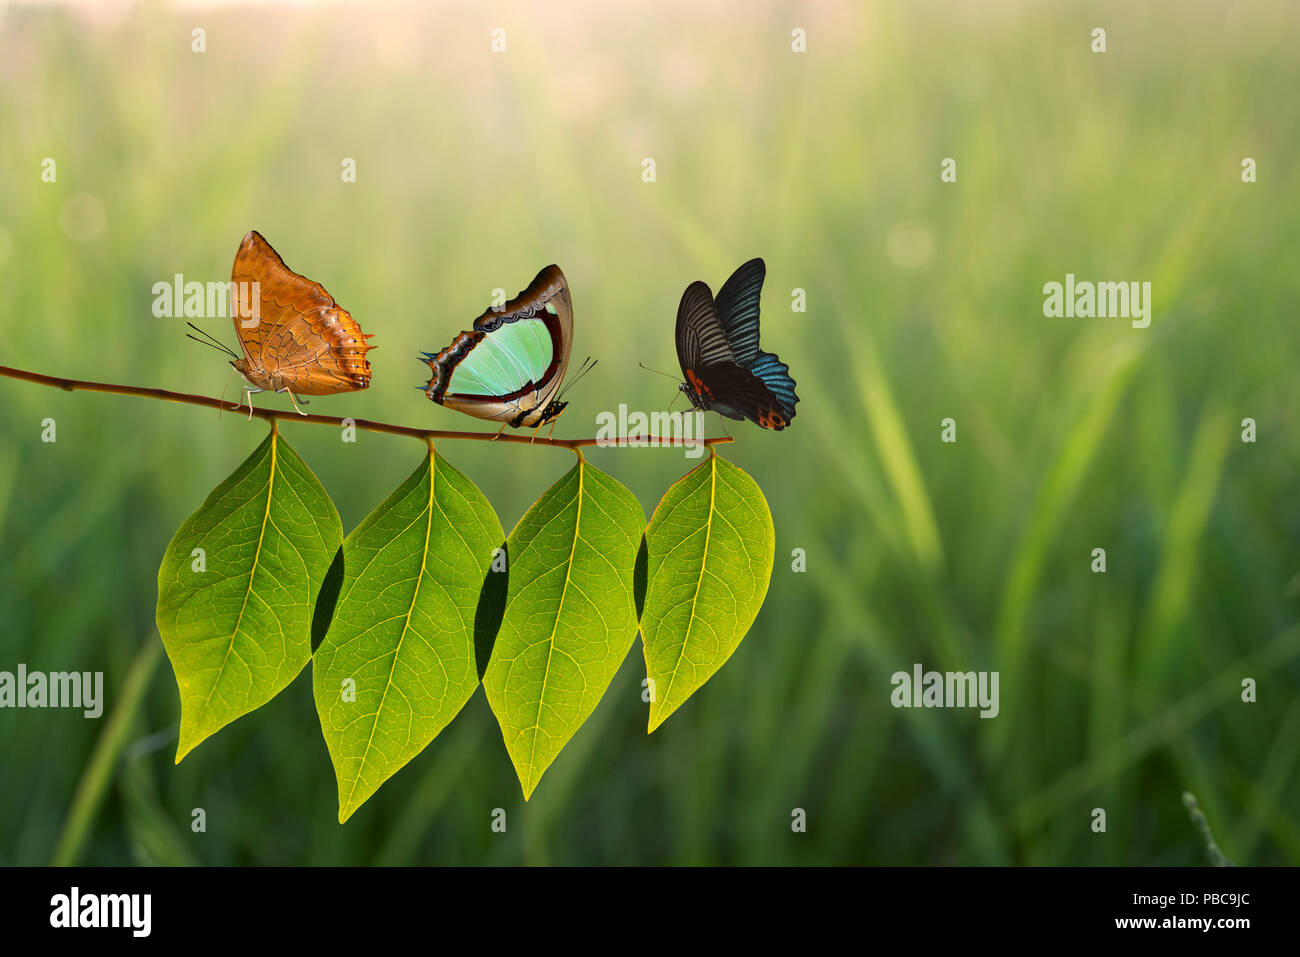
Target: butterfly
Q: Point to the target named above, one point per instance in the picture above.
(717, 346)
(509, 366)
(294, 336)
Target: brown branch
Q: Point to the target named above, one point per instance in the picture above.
(82, 385)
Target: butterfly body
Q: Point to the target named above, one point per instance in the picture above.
(294, 336)
(717, 346)
(509, 366)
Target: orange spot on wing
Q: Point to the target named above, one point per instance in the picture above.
(698, 384)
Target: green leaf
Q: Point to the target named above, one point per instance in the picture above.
(398, 661)
(569, 618)
(709, 552)
(236, 618)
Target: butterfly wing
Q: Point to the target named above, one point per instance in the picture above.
(765, 397)
(778, 394)
(717, 345)
(509, 366)
(700, 339)
(291, 330)
(737, 306)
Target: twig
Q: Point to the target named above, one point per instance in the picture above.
(82, 385)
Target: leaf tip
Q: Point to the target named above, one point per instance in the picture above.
(186, 744)
(656, 719)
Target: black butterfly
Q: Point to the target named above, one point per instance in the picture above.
(717, 346)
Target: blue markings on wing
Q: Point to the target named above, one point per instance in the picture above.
(775, 374)
(737, 305)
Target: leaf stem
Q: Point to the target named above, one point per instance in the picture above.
(425, 435)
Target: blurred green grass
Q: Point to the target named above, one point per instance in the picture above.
(1118, 691)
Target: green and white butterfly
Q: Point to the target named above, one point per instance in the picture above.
(509, 367)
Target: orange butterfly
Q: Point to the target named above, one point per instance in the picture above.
(295, 337)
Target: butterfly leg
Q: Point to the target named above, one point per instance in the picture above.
(248, 397)
(499, 431)
(294, 403)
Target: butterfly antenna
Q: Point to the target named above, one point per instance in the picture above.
(210, 338)
(666, 375)
(210, 341)
(587, 365)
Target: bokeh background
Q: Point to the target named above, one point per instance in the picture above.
(924, 301)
